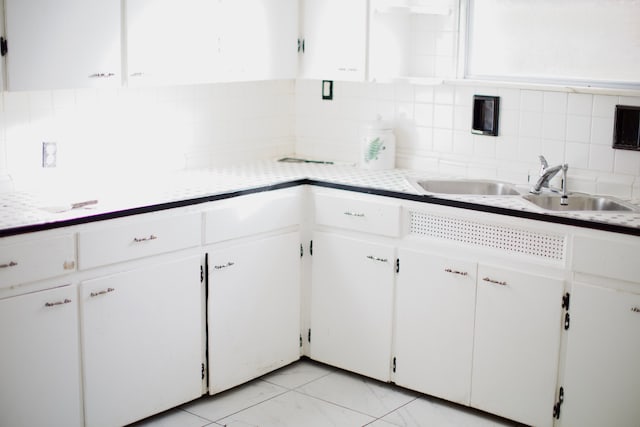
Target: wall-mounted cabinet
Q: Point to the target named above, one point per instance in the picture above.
(334, 40)
(200, 41)
(63, 44)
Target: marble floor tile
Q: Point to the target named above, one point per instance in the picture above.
(231, 401)
(298, 374)
(428, 412)
(173, 418)
(359, 393)
(294, 409)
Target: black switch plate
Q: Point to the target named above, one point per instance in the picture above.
(486, 110)
(626, 129)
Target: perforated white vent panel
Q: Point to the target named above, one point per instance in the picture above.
(549, 246)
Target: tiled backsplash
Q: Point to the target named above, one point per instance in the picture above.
(124, 131)
(127, 130)
(433, 131)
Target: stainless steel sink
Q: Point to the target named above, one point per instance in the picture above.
(465, 186)
(579, 202)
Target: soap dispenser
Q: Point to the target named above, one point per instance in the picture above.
(378, 146)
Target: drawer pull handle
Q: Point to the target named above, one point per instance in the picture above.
(144, 239)
(227, 265)
(635, 309)
(101, 75)
(10, 264)
(461, 273)
(354, 214)
(53, 304)
(495, 282)
(97, 294)
(375, 258)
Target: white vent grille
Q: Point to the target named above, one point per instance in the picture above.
(549, 246)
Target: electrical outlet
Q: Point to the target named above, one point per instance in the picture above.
(49, 154)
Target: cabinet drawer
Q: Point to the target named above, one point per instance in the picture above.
(360, 215)
(36, 259)
(117, 241)
(252, 214)
(606, 258)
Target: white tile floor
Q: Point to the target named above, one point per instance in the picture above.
(307, 394)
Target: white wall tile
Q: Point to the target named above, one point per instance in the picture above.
(601, 158)
(424, 115)
(530, 124)
(602, 131)
(443, 116)
(531, 100)
(578, 128)
(580, 103)
(604, 105)
(627, 162)
(555, 102)
(554, 126)
(509, 99)
(577, 155)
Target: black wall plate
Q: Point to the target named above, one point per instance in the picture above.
(486, 110)
(626, 129)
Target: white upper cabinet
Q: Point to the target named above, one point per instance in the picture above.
(172, 41)
(203, 41)
(63, 44)
(335, 40)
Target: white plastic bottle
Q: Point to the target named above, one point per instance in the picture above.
(378, 146)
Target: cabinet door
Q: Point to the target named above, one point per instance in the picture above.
(602, 379)
(253, 309)
(516, 347)
(141, 341)
(63, 44)
(173, 41)
(258, 39)
(335, 37)
(435, 308)
(351, 304)
(40, 369)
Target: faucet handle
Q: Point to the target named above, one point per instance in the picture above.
(543, 162)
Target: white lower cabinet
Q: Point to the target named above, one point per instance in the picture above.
(141, 341)
(253, 309)
(602, 380)
(516, 344)
(352, 304)
(435, 307)
(39, 349)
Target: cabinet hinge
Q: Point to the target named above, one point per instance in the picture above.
(3, 46)
(558, 404)
(309, 336)
(301, 251)
(565, 301)
(202, 370)
(300, 340)
(201, 274)
(565, 304)
(300, 45)
(311, 248)
(393, 368)
(398, 265)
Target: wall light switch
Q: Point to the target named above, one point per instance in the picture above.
(49, 154)
(327, 89)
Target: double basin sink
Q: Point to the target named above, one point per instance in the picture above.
(546, 201)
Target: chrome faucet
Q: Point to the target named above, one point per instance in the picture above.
(546, 174)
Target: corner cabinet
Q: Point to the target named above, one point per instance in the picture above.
(254, 270)
(63, 44)
(352, 304)
(334, 40)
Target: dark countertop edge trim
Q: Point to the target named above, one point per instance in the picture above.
(614, 228)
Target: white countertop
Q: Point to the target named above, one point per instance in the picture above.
(21, 209)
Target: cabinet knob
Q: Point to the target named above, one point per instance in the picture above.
(97, 294)
(144, 239)
(355, 214)
(227, 265)
(375, 258)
